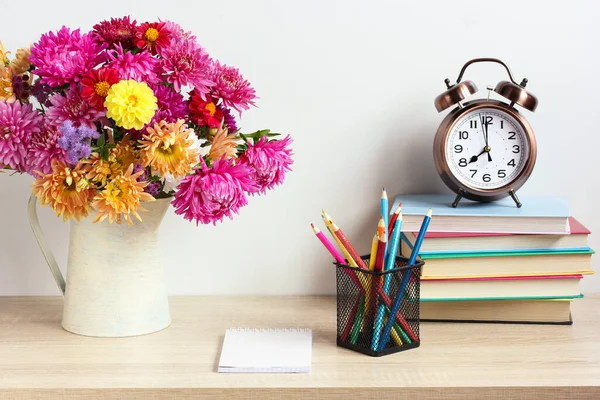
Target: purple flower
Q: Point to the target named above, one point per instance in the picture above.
(42, 92)
(76, 141)
(269, 161)
(171, 105)
(65, 56)
(212, 194)
(228, 118)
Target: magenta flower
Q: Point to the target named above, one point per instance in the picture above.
(18, 123)
(72, 108)
(212, 194)
(43, 149)
(65, 56)
(116, 31)
(231, 87)
(269, 161)
(186, 63)
(171, 105)
(139, 67)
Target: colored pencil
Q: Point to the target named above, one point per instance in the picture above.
(411, 261)
(385, 213)
(393, 221)
(379, 265)
(351, 319)
(358, 321)
(328, 223)
(373, 253)
(393, 249)
(346, 243)
(338, 257)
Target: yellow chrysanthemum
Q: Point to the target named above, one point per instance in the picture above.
(119, 159)
(66, 190)
(131, 104)
(169, 148)
(223, 144)
(121, 198)
(21, 63)
(6, 88)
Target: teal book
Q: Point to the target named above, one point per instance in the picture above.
(538, 215)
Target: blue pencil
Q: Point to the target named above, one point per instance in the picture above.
(411, 261)
(391, 260)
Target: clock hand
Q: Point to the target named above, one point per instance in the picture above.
(487, 147)
(475, 158)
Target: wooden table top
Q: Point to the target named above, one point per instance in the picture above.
(39, 359)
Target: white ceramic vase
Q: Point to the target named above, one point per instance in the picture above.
(115, 283)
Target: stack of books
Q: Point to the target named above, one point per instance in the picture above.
(494, 262)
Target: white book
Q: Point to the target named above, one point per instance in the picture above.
(266, 350)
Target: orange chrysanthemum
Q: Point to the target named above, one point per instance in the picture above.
(66, 190)
(121, 198)
(21, 63)
(170, 148)
(120, 158)
(223, 144)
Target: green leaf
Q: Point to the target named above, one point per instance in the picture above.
(101, 140)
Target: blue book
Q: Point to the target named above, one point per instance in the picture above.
(538, 215)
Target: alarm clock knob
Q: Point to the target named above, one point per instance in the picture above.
(517, 94)
(455, 94)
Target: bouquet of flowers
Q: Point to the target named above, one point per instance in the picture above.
(131, 112)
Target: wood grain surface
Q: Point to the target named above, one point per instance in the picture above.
(38, 359)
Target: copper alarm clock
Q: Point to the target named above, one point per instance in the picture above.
(484, 149)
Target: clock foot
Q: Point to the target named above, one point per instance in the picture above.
(515, 198)
(457, 199)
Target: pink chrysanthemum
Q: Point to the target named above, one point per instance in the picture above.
(116, 31)
(43, 148)
(171, 105)
(65, 56)
(18, 123)
(269, 161)
(139, 67)
(231, 87)
(186, 63)
(72, 108)
(212, 194)
(177, 32)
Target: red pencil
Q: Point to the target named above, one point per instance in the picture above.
(393, 221)
(350, 321)
(344, 240)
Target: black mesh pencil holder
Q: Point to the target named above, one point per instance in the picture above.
(366, 300)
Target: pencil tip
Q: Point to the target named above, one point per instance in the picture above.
(429, 212)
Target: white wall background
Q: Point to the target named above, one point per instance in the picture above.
(353, 82)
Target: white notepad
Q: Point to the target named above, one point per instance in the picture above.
(266, 350)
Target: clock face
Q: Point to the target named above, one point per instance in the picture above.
(486, 149)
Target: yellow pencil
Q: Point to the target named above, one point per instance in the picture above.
(329, 224)
(373, 252)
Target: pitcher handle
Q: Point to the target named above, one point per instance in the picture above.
(39, 236)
